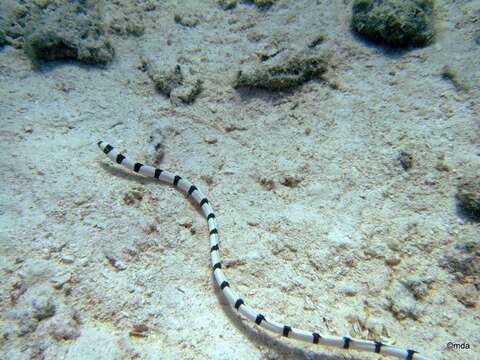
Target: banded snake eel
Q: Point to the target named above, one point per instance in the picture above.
(233, 298)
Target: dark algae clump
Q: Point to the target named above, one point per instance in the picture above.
(227, 4)
(261, 4)
(70, 30)
(468, 196)
(283, 71)
(3, 39)
(264, 4)
(396, 23)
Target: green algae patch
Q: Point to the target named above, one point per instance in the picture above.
(71, 30)
(396, 23)
(283, 71)
(125, 26)
(186, 19)
(468, 196)
(13, 18)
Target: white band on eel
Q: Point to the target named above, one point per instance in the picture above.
(233, 298)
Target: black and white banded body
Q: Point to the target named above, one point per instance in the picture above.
(233, 298)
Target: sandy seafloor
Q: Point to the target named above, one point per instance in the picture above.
(329, 254)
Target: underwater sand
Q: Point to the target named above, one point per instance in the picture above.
(320, 226)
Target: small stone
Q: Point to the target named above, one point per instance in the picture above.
(84, 262)
(210, 140)
(392, 260)
(140, 328)
(137, 334)
(68, 259)
(394, 245)
(373, 253)
(348, 289)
